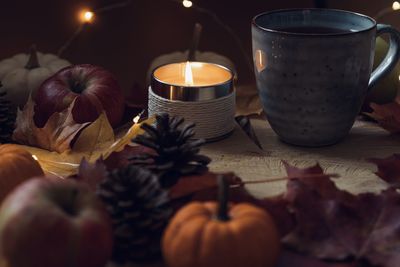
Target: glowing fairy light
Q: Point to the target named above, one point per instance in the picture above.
(86, 16)
(187, 3)
(138, 117)
(35, 157)
(396, 5)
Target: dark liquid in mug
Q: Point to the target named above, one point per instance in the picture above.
(313, 30)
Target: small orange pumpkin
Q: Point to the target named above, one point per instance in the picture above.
(16, 166)
(213, 235)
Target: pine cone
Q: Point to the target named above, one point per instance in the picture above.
(7, 119)
(139, 209)
(175, 151)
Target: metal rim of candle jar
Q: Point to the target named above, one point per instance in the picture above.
(192, 93)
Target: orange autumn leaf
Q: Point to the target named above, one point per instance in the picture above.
(56, 135)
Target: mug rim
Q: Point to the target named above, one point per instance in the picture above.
(256, 25)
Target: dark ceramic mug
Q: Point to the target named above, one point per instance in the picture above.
(313, 70)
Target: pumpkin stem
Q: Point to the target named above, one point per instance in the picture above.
(195, 42)
(223, 195)
(33, 61)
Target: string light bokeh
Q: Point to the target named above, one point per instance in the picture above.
(396, 5)
(87, 17)
(187, 3)
(394, 8)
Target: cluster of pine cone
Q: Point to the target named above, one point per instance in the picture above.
(136, 196)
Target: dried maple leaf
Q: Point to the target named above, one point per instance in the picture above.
(95, 139)
(313, 175)
(277, 207)
(119, 159)
(334, 224)
(126, 140)
(190, 185)
(56, 135)
(91, 174)
(388, 169)
(387, 116)
(291, 259)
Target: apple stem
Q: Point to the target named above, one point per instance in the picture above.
(33, 61)
(223, 195)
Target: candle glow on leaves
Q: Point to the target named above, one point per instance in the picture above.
(188, 74)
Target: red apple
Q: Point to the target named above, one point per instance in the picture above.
(94, 88)
(48, 223)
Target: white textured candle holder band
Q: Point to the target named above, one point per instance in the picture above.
(199, 92)
(214, 118)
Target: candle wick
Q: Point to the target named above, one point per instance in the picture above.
(195, 42)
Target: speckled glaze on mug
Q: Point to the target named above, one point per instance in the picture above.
(312, 86)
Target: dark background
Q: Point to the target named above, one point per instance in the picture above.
(126, 40)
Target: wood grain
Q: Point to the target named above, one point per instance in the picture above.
(346, 158)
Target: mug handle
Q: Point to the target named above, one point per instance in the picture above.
(392, 56)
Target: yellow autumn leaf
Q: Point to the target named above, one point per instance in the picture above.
(134, 131)
(61, 165)
(95, 140)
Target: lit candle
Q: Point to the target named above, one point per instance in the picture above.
(192, 81)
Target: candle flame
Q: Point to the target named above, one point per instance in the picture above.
(86, 16)
(396, 5)
(35, 157)
(188, 74)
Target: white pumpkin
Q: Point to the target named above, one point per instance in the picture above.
(22, 74)
(179, 56)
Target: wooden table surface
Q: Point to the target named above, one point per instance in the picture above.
(347, 158)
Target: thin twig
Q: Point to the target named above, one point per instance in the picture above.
(82, 26)
(279, 179)
(383, 13)
(71, 40)
(227, 28)
(113, 6)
